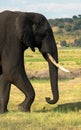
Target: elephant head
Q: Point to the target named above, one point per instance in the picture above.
(33, 30)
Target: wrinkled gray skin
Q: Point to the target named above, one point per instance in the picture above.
(18, 31)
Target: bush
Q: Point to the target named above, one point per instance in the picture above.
(77, 42)
(64, 43)
(61, 25)
(68, 28)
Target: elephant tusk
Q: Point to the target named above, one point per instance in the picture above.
(56, 64)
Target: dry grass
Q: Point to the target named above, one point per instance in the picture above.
(65, 115)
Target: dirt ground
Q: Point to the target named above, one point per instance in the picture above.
(44, 74)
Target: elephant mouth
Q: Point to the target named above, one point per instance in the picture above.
(55, 63)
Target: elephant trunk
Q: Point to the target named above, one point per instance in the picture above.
(53, 71)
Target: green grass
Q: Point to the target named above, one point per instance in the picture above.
(41, 121)
(68, 57)
(65, 115)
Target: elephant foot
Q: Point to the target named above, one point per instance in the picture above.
(3, 108)
(3, 111)
(23, 108)
(26, 104)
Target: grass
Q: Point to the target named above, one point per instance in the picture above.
(70, 58)
(65, 115)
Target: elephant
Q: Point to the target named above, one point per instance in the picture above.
(18, 32)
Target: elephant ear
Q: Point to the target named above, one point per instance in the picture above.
(25, 31)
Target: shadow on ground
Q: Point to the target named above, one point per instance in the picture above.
(64, 108)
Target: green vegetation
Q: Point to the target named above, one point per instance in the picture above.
(68, 57)
(67, 29)
(65, 115)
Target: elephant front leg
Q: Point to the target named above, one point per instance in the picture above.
(4, 94)
(22, 82)
(25, 106)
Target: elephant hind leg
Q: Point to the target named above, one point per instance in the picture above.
(1, 71)
(4, 94)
